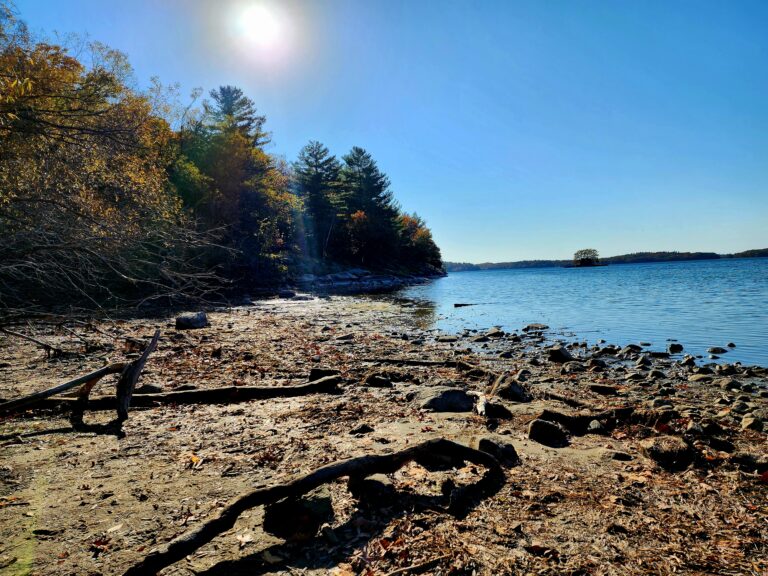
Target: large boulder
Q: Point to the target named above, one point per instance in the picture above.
(503, 451)
(559, 354)
(446, 400)
(510, 388)
(548, 433)
(191, 321)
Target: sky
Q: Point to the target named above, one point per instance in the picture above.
(516, 129)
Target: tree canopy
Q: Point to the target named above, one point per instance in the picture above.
(114, 195)
(586, 257)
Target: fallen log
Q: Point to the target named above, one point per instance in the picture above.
(223, 395)
(124, 389)
(129, 375)
(38, 397)
(359, 468)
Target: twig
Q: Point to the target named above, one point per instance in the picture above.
(424, 566)
(49, 349)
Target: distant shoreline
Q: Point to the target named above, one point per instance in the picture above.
(636, 258)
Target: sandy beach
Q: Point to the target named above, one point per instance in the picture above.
(616, 461)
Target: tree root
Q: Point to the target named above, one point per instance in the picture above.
(461, 499)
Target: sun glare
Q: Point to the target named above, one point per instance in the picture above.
(263, 28)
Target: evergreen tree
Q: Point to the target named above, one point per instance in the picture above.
(233, 110)
(316, 174)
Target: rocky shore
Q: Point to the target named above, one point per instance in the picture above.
(617, 459)
(358, 281)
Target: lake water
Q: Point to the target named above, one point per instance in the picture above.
(700, 304)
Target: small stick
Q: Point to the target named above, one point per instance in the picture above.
(49, 350)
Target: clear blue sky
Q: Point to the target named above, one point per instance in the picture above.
(517, 129)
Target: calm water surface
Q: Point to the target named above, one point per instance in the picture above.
(700, 304)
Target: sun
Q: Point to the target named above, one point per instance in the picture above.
(262, 26)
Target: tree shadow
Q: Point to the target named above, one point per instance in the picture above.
(328, 549)
(112, 428)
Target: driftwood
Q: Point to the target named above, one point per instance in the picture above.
(129, 375)
(361, 467)
(49, 349)
(223, 395)
(38, 397)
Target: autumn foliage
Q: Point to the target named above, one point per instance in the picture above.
(110, 195)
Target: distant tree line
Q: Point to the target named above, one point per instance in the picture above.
(635, 258)
(111, 195)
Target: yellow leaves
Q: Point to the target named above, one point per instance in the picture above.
(195, 462)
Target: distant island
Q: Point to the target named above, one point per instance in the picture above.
(635, 258)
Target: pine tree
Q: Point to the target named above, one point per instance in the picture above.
(316, 174)
(233, 110)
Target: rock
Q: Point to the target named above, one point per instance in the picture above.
(375, 380)
(688, 361)
(362, 429)
(510, 389)
(504, 452)
(643, 360)
(446, 400)
(548, 433)
(731, 345)
(572, 368)
(496, 410)
(727, 384)
(191, 321)
(595, 427)
(559, 354)
(669, 452)
(711, 427)
(375, 490)
(286, 293)
(751, 462)
(617, 455)
(716, 350)
(481, 338)
(522, 375)
(299, 519)
(495, 332)
(700, 378)
(447, 338)
(148, 389)
(630, 350)
(656, 375)
(603, 389)
(675, 348)
(535, 328)
(320, 372)
(740, 407)
(750, 423)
